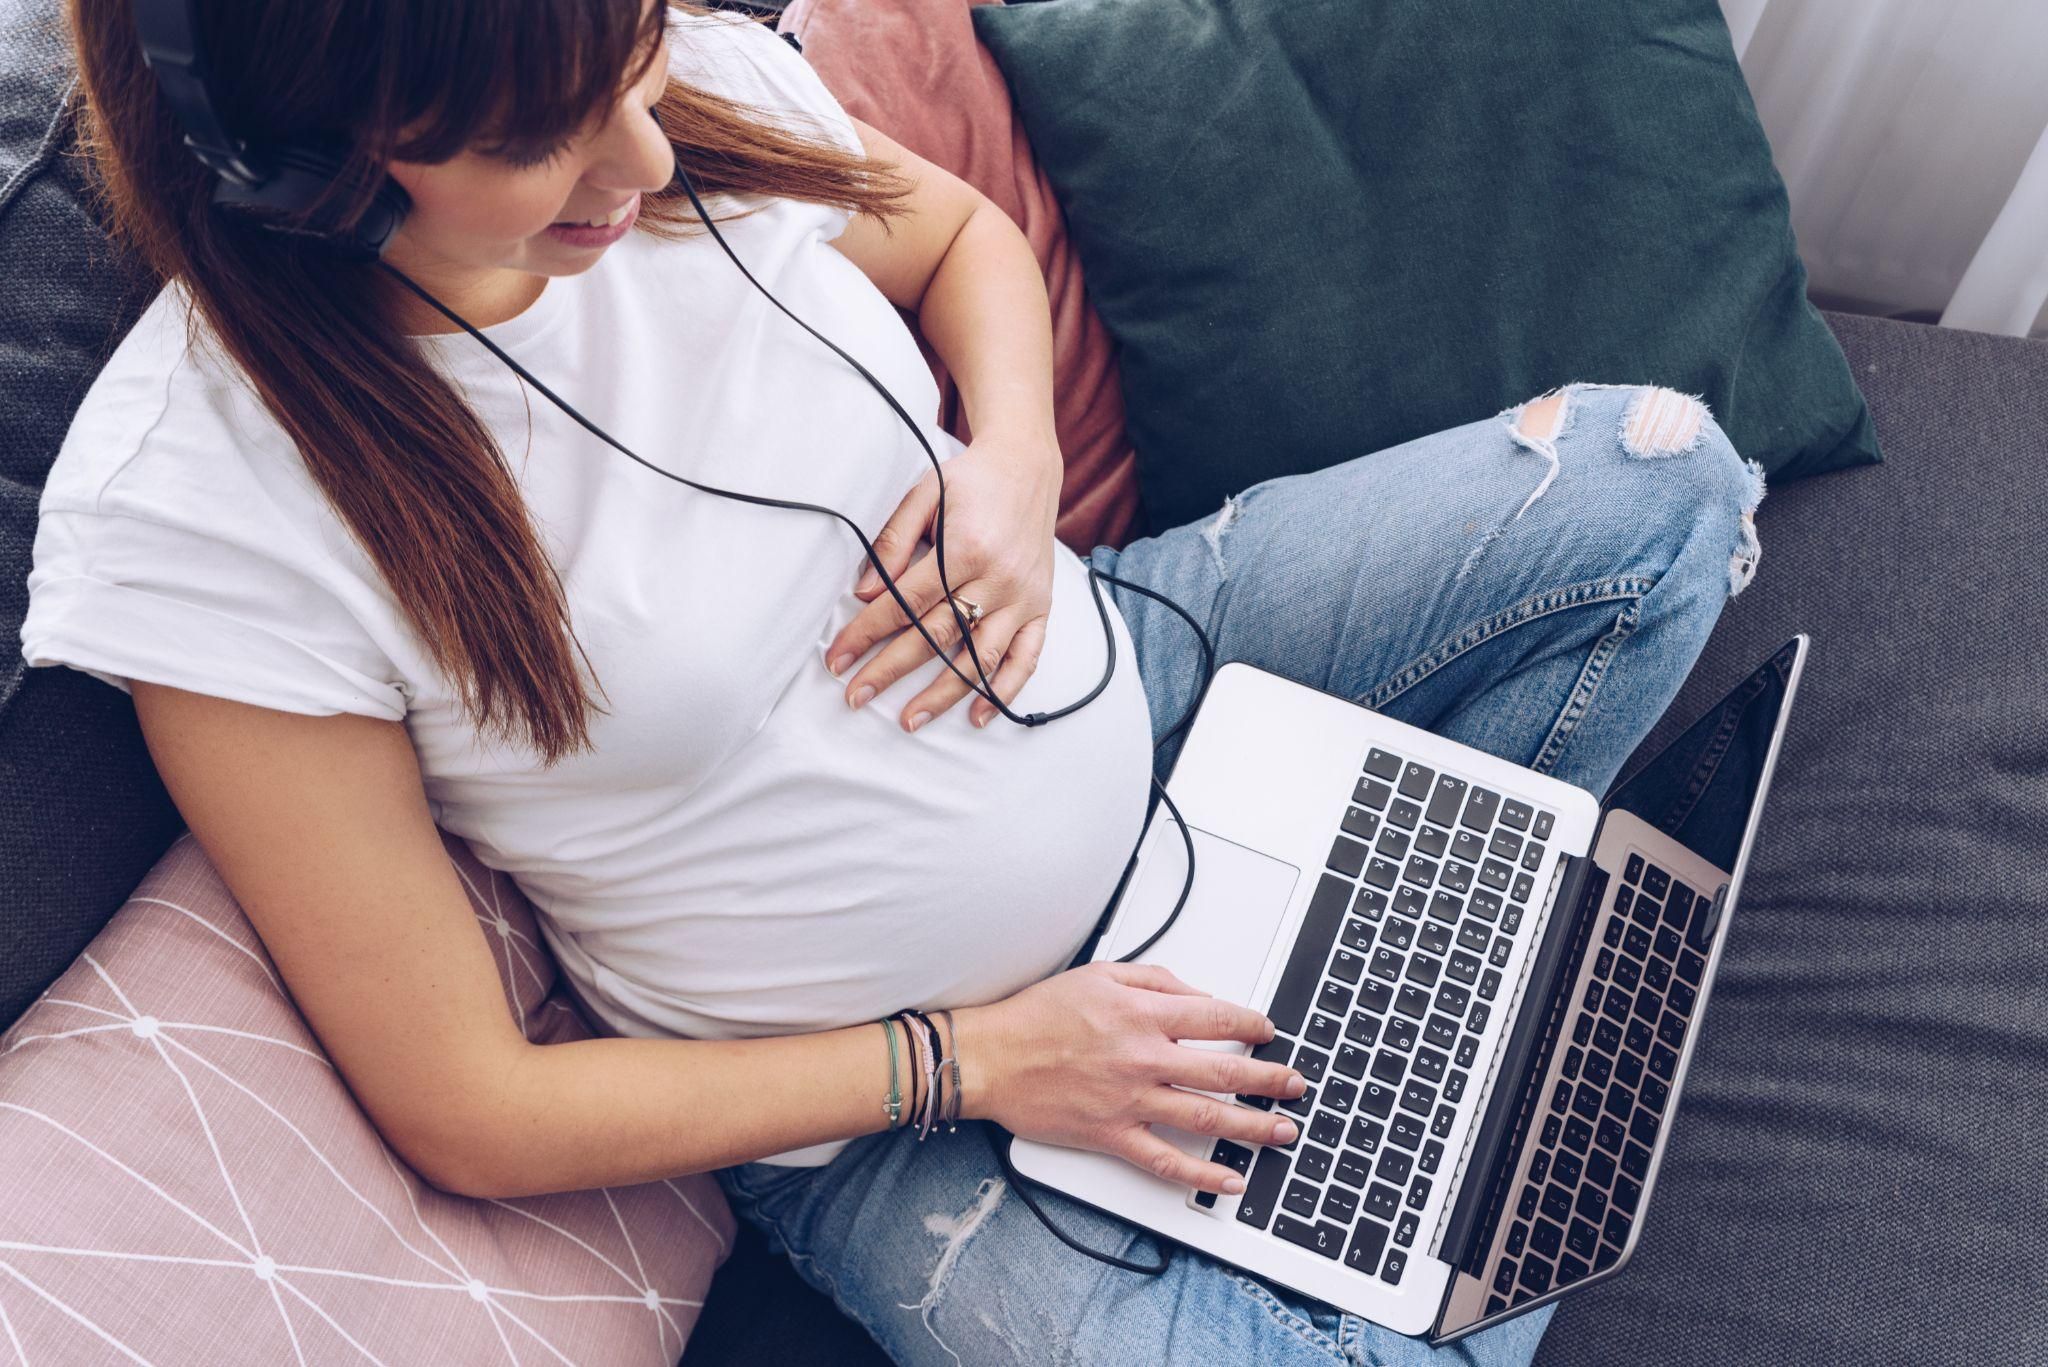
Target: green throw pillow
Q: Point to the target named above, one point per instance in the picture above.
(1318, 228)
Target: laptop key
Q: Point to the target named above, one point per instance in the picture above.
(1352, 1169)
(1656, 882)
(1535, 1275)
(1463, 967)
(1516, 814)
(1322, 1030)
(1446, 801)
(1435, 937)
(1633, 872)
(1419, 871)
(1262, 1189)
(1368, 1241)
(1347, 967)
(1404, 1232)
(1380, 764)
(1311, 952)
(1432, 841)
(1351, 1062)
(1367, 793)
(1360, 824)
(1406, 1131)
(1474, 935)
(1454, 1087)
(1388, 1066)
(1429, 1064)
(1418, 1193)
(1532, 857)
(1314, 1164)
(1423, 969)
(1678, 906)
(1358, 936)
(1382, 874)
(1325, 1129)
(1339, 1094)
(1347, 856)
(1543, 824)
(1340, 1205)
(1393, 1166)
(1370, 903)
(1452, 1000)
(1404, 813)
(1480, 809)
(1396, 1264)
(1432, 1156)
(1415, 780)
(1300, 1200)
(1489, 984)
(1400, 1033)
(1456, 876)
(1363, 1027)
(1570, 1269)
(1524, 885)
(1365, 1134)
(1391, 845)
(1334, 999)
(1410, 901)
(1324, 1238)
(1382, 1201)
(1377, 1100)
(1468, 1050)
(1505, 844)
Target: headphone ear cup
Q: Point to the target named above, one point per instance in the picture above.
(299, 176)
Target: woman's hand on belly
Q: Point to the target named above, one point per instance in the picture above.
(1002, 498)
(1091, 1057)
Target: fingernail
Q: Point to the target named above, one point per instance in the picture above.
(861, 695)
(1284, 1131)
(919, 719)
(1297, 1084)
(981, 718)
(1233, 1185)
(839, 663)
(867, 581)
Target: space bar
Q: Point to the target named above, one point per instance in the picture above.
(1311, 953)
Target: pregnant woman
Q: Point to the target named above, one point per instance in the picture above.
(362, 580)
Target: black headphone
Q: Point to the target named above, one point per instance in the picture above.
(284, 187)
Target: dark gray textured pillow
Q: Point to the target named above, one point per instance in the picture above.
(84, 815)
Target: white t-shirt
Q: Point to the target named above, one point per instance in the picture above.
(742, 855)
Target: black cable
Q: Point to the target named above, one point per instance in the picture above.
(987, 689)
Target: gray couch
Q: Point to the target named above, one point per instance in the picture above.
(1861, 1171)
(1859, 1177)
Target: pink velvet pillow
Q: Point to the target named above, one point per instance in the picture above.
(188, 1179)
(915, 70)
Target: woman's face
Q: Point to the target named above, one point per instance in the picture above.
(488, 211)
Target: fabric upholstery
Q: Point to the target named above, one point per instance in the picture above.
(915, 70)
(1856, 1173)
(84, 816)
(205, 1188)
(1322, 228)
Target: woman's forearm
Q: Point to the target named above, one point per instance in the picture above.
(613, 1112)
(986, 314)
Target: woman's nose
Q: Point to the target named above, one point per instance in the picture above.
(633, 153)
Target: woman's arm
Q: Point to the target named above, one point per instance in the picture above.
(969, 274)
(320, 828)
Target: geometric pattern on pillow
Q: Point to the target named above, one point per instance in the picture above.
(187, 1178)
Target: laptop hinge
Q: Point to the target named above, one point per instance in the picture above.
(1498, 1141)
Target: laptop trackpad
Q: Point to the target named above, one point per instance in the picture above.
(1220, 940)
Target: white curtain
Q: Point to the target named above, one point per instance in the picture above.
(1913, 139)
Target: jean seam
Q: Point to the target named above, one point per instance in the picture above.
(1476, 634)
(1587, 688)
(804, 1259)
(1281, 1315)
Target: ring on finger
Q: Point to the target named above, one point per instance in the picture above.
(969, 608)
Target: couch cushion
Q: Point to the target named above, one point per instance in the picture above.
(205, 1188)
(1322, 228)
(1857, 1172)
(75, 833)
(915, 70)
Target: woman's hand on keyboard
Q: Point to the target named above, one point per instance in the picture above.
(1089, 1058)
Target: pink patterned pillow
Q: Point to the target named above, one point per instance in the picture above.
(188, 1179)
(915, 70)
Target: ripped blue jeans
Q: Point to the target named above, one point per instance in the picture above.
(1537, 592)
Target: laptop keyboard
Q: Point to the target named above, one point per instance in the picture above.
(1386, 1006)
(1590, 1153)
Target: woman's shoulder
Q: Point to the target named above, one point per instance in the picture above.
(742, 58)
(167, 419)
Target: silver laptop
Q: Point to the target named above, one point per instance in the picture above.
(1492, 980)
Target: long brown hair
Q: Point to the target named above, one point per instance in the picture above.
(403, 460)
